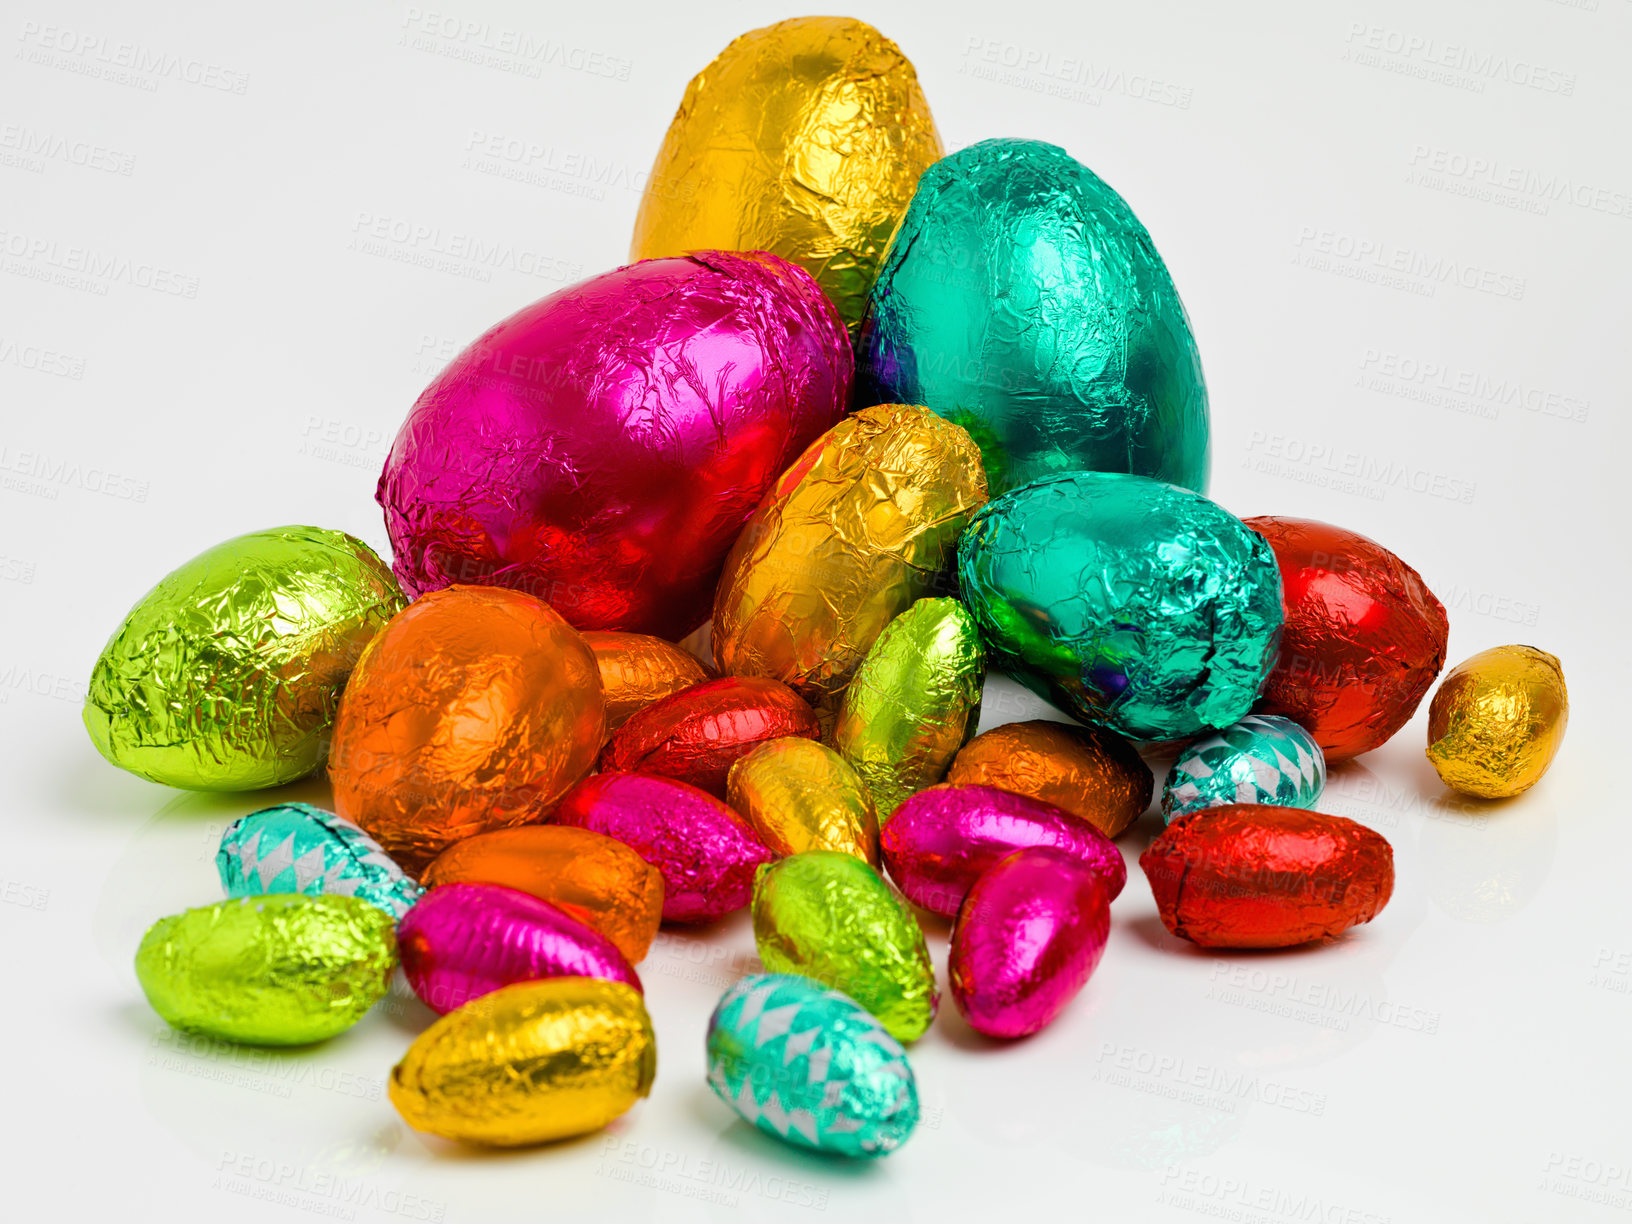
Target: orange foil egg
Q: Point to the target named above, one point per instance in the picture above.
(597, 880)
(1091, 772)
(474, 709)
(637, 670)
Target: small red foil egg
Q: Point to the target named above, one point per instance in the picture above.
(1363, 639)
(1029, 934)
(1255, 876)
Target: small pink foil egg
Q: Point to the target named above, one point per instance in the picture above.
(940, 840)
(1028, 935)
(705, 852)
(462, 941)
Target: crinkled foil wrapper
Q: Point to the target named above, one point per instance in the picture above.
(464, 941)
(1364, 636)
(1023, 299)
(279, 970)
(474, 709)
(602, 448)
(298, 848)
(805, 139)
(862, 525)
(1498, 720)
(226, 675)
(1257, 876)
(531, 1063)
(1091, 772)
(913, 702)
(637, 669)
(1132, 603)
(591, 877)
(801, 795)
(1261, 759)
(832, 918)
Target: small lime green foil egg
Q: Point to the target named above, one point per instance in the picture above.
(830, 917)
(801, 795)
(913, 702)
(226, 676)
(278, 970)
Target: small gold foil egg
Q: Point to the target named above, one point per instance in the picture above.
(801, 795)
(1497, 721)
(637, 669)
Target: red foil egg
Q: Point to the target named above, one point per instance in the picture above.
(1364, 637)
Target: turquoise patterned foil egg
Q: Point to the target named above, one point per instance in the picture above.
(810, 1066)
(1261, 759)
(298, 848)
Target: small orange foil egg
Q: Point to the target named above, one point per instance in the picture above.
(637, 670)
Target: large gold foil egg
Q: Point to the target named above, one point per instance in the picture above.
(805, 139)
(801, 795)
(1497, 721)
(1091, 772)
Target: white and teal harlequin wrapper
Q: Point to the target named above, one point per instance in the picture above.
(298, 848)
(811, 1066)
(1261, 759)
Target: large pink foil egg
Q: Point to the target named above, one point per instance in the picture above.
(601, 448)
(1029, 934)
(939, 841)
(462, 941)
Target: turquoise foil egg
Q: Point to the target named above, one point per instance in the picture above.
(810, 1066)
(298, 848)
(1261, 759)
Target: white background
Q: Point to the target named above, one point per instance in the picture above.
(1461, 1058)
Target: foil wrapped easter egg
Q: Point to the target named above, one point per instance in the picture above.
(941, 839)
(226, 676)
(531, 1063)
(279, 970)
(805, 139)
(1497, 721)
(1023, 299)
(696, 735)
(467, 940)
(637, 669)
(1363, 641)
(863, 524)
(811, 1067)
(474, 709)
(1132, 603)
(1261, 759)
(705, 852)
(913, 702)
(596, 879)
(602, 448)
(801, 795)
(1255, 876)
(1029, 934)
(831, 917)
(298, 848)
(1091, 772)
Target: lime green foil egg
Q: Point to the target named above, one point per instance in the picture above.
(278, 970)
(226, 675)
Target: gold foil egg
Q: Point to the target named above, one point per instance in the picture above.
(1497, 721)
(805, 139)
(801, 795)
(637, 669)
(1091, 772)
(529, 1063)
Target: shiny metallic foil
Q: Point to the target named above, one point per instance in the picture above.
(1364, 636)
(637, 669)
(1497, 721)
(226, 675)
(596, 879)
(295, 847)
(805, 139)
(832, 918)
(277, 970)
(1135, 604)
(801, 795)
(862, 525)
(602, 448)
(913, 702)
(531, 1063)
(1022, 299)
(474, 709)
(1261, 759)
(1091, 772)
(1251, 876)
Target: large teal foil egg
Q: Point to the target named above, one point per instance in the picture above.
(1021, 298)
(1132, 603)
